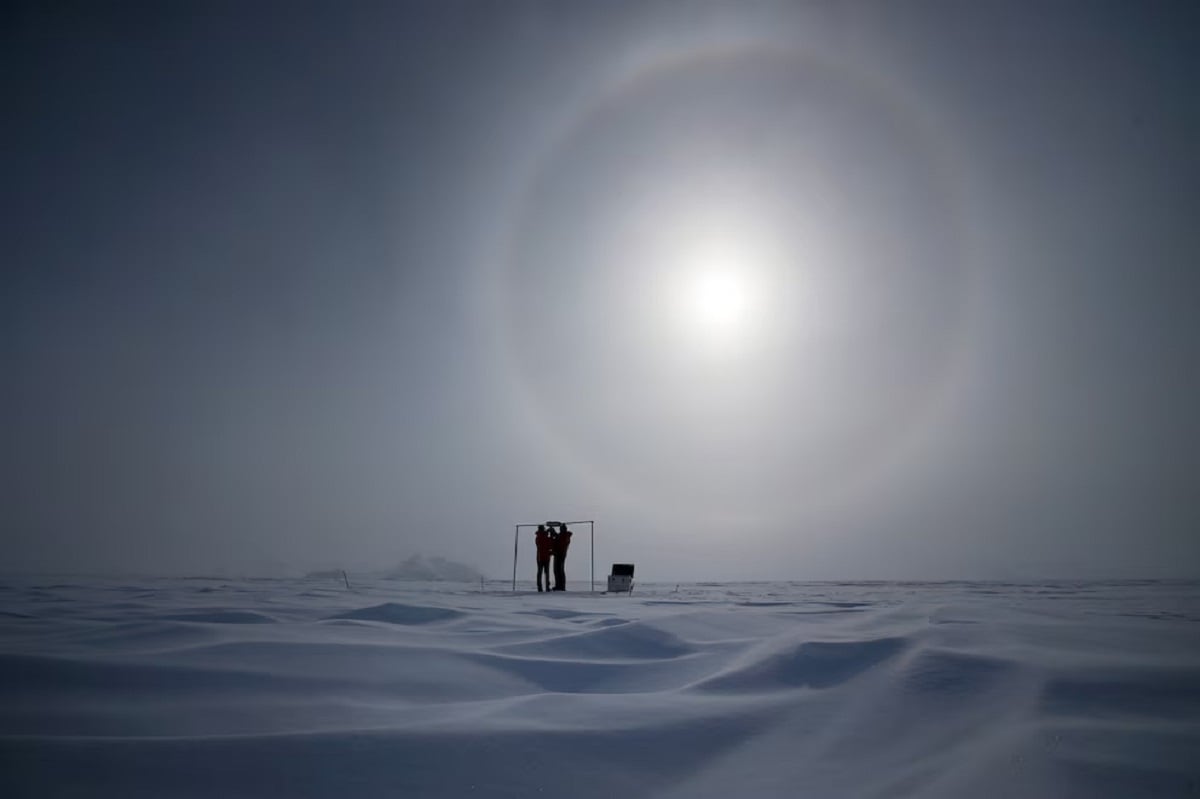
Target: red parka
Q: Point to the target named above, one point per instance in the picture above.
(562, 542)
(544, 545)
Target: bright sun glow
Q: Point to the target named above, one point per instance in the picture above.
(717, 291)
(717, 300)
(719, 271)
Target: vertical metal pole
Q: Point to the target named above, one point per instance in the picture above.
(593, 526)
(516, 536)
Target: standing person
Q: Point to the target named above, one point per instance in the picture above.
(545, 546)
(561, 542)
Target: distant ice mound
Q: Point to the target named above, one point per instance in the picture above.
(420, 568)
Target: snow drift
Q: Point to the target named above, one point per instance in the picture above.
(283, 688)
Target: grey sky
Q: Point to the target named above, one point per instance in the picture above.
(289, 286)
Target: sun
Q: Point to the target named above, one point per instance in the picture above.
(717, 292)
(717, 300)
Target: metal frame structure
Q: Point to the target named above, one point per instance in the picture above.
(517, 539)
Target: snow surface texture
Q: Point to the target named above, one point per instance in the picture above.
(415, 568)
(301, 688)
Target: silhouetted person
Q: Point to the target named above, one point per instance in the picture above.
(545, 547)
(561, 543)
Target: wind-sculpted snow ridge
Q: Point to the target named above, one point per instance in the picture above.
(396, 613)
(218, 687)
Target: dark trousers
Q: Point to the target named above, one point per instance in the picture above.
(543, 568)
(560, 572)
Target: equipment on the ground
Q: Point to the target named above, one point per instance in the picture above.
(621, 579)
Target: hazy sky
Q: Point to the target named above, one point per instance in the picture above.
(820, 290)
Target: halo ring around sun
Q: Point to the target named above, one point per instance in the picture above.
(892, 100)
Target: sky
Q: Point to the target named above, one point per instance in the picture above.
(862, 290)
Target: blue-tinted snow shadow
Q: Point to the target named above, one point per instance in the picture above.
(594, 764)
(813, 664)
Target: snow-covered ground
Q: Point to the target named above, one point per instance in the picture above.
(298, 688)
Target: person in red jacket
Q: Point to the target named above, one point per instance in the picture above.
(561, 542)
(545, 547)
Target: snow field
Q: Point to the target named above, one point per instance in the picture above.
(212, 687)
